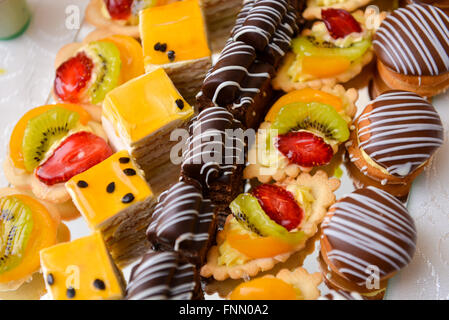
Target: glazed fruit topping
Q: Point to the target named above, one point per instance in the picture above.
(72, 77)
(119, 9)
(339, 22)
(304, 149)
(280, 205)
(76, 154)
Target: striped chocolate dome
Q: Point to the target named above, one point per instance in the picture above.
(414, 41)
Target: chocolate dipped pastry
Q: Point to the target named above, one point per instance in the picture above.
(394, 139)
(239, 83)
(257, 32)
(215, 156)
(164, 276)
(367, 237)
(183, 221)
(442, 4)
(412, 47)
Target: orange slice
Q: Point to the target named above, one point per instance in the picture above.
(257, 247)
(266, 288)
(325, 67)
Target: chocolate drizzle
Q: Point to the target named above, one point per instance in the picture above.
(212, 153)
(400, 131)
(369, 228)
(184, 222)
(164, 276)
(414, 41)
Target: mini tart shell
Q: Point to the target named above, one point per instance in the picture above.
(57, 194)
(426, 86)
(313, 10)
(95, 17)
(291, 170)
(322, 189)
(299, 278)
(397, 186)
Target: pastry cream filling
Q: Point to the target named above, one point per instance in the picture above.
(230, 256)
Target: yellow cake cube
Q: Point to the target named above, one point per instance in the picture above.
(81, 270)
(115, 199)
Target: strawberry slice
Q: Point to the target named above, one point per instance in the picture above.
(72, 76)
(76, 154)
(339, 22)
(280, 205)
(119, 9)
(304, 149)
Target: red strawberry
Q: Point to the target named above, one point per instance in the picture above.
(73, 156)
(72, 76)
(279, 205)
(119, 9)
(339, 22)
(304, 149)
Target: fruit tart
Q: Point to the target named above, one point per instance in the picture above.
(119, 16)
(333, 51)
(314, 8)
(286, 285)
(86, 72)
(48, 146)
(27, 226)
(268, 225)
(302, 130)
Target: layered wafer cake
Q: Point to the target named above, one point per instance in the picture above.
(183, 221)
(164, 276)
(215, 155)
(185, 58)
(140, 116)
(120, 206)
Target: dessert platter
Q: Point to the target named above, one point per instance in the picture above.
(243, 150)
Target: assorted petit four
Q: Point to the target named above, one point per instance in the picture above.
(367, 237)
(139, 116)
(412, 49)
(183, 221)
(186, 59)
(393, 140)
(286, 285)
(120, 207)
(82, 270)
(317, 119)
(268, 225)
(27, 226)
(48, 146)
(164, 276)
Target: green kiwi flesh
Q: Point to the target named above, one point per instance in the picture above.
(16, 225)
(106, 57)
(248, 212)
(43, 131)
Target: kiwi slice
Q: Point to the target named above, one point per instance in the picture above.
(16, 224)
(43, 131)
(106, 57)
(310, 46)
(248, 212)
(311, 116)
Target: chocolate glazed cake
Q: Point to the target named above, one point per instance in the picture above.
(215, 156)
(183, 221)
(164, 276)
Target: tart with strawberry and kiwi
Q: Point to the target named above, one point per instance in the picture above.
(303, 130)
(48, 146)
(315, 7)
(27, 226)
(334, 50)
(286, 285)
(269, 225)
(119, 16)
(86, 72)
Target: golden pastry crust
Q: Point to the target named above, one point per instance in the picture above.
(283, 169)
(306, 283)
(313, 10)
(322, 189)
(95, 17)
